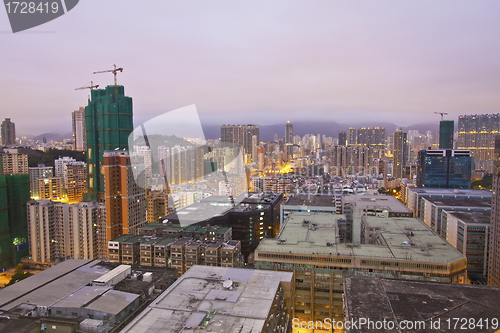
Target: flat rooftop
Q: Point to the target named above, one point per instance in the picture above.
(450, 192)
(53, 284)
(461, 202)
(481, 217)
(398, 300)
(113, 302)
(387, 202)
(300, 239)
(199, 212)
(310, 200)
(198, 298)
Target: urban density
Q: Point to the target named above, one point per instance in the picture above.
(170, 217)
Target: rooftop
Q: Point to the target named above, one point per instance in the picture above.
(387, 202)
(399, 300)
(81, 297)
(310, 200)
(461, 202)
(51, 285)
(301, 239)
(112, 302)
(199, 298)
(475, 217)
(450, 191)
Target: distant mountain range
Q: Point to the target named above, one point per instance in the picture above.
(299, 128)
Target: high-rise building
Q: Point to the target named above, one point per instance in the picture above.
(13, 163)
(289, 139)
(125, 199)
(40, 172)
(342, 138)
(75, 180)
(239, 135)
(255, 147)
(58, 231)
(157, 206)
(78, 122)
(59, 167)
(8, 133)
(351, 159)
(108, 124)
(351, 137)
(444, 168)
(446, 129)
(401, 153)
(476, 132)
(494, 240)
(50, 188)
(14, 193)
(374, 137)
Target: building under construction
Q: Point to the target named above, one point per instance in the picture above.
(108, 123)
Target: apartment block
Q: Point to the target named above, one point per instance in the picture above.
(12, 162)
(58, 231)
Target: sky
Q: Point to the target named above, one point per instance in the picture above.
(262, 62)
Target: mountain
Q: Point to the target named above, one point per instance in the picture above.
(53, 137)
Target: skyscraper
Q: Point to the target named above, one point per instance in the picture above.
(476, 132)
(78, 122)
(8, 132)
(400, 153)
(289, 139)
(444, 168)
(446, 129)
(239, 135)
(108, 124)
(494, 241)
(342, 138)
(374, 137)
(351, 138)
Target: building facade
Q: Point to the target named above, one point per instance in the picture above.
(78, 125)
(444, 168)
(476, 132)
(108, 124)
(12, 162)
(125, 200)
(8, 133)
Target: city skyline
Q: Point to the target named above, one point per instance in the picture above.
(282, 61)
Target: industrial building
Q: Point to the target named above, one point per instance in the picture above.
(431, 210)
(414, 196)
(81, 295)
(469, 232)
(218, 299)
(395, 247)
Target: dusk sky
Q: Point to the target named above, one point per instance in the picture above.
(261, 62)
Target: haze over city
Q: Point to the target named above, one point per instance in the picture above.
(258, 62)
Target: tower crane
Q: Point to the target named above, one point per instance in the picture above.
(442, 114)
(114, 71)
(92, 86)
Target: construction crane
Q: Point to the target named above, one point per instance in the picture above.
(442, 114)
(114, 71)
(92, 86)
